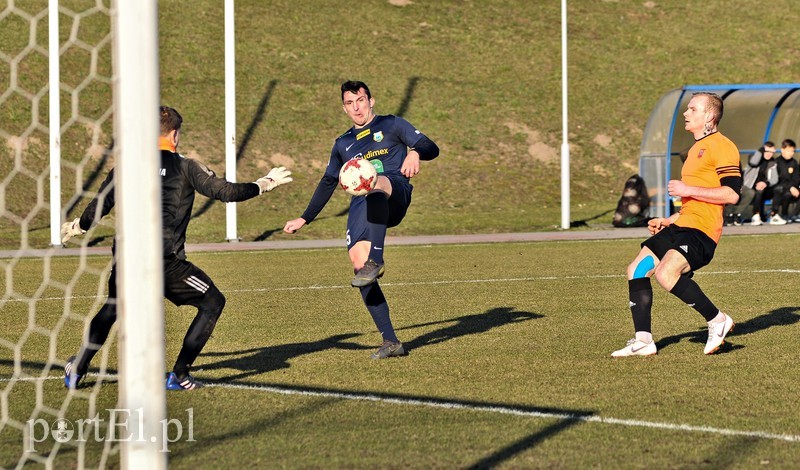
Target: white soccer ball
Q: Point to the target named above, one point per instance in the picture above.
(358, 177)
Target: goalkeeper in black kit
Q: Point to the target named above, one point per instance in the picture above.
(184, 283)
(394, 147)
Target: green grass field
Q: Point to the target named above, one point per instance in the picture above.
(509, 343)
(482, 79)
(508, 367)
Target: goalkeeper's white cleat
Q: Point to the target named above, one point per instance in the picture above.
(636, 348)
(716, 334)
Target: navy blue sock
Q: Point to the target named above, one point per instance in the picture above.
(640, 294)
(379, 309)
(377, 218)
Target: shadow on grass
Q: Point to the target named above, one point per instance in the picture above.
(90, 180)
(466, 325)
(254, 428)
(528, 442)
(783, 316)
(585, 222)
(258, 117)
(565, 418)
(259, 360)
(730, 453)
(34, 369)
(268, 233)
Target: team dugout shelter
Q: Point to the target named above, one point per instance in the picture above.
(753, 114)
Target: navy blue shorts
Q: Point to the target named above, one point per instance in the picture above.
(697, 247)
(398, 206)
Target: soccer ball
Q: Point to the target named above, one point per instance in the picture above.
(358, 177)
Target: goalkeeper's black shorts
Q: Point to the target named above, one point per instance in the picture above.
(186, 284)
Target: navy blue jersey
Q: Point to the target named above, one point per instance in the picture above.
(384, 142)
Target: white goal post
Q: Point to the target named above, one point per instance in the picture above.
(46, 308)
(139, 249)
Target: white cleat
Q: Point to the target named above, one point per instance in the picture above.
(636, 348)
(716, 334)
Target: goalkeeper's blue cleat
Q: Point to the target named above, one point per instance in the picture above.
(71, 379)
(185, 383)
(368, 274)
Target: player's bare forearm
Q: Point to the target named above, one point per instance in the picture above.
(720, 195)
(657, 224)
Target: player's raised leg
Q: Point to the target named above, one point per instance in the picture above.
(377, 209)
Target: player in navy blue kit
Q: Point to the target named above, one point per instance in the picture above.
(395, 148)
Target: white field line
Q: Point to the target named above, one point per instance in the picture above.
(507, 410)
(448, 281)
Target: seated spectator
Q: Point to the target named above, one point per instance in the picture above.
(766, 180)
(736, 213)
(788, 188)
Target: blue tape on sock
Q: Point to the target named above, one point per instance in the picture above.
(645, 265)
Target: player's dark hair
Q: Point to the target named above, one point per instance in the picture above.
(171, 120)
(769, 143)
(788, 143)
(713, 104)
(353, 86)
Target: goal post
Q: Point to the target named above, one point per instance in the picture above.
(230, 118)
(139, 250)
(54, 98)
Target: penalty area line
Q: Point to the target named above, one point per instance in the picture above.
(512, 411)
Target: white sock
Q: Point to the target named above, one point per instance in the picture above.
(719, 318)
(644, 336)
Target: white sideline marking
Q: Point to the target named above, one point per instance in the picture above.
(450, 281)
(488, 408)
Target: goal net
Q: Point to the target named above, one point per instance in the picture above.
(66, 97)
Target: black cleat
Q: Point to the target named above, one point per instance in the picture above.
(368, 274)
(389, 349)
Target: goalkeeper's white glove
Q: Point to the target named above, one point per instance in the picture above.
(275, 177)
(70, 229)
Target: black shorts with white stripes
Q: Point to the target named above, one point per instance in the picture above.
(185, 283)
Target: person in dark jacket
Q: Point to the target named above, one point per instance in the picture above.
(787, 190)
(184, 283)
(736, 213)
(764, 187)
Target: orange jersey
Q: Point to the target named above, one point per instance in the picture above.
(710, 159)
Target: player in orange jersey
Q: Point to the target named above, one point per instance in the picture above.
(685, 242)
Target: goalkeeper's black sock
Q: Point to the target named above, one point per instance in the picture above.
(640, 294)
(98, 334)
(377, 218)
(199, 332)
(690, 293)
(379, 309)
